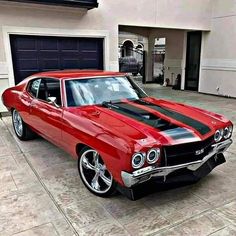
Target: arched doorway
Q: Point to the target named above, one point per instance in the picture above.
(128, 48)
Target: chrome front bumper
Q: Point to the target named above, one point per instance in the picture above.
(146, 173)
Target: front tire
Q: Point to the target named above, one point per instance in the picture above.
(94, 174)
(22, 131)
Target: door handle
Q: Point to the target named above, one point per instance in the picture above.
(33, 105)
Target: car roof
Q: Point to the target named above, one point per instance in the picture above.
(65, 74)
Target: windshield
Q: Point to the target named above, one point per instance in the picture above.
(81, 92)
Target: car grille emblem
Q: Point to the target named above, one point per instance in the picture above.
(199, 152)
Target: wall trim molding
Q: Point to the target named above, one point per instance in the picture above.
(8, 30)
(219, 64)
(3, 70)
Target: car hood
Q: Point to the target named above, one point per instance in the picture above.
(151, 121)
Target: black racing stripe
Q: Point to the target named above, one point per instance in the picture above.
(140, 115)
(169, 129)
(151, 119)
(197, 125)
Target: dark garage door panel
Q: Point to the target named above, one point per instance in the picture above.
(32, 54)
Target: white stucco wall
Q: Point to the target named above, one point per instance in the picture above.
(185, 14)
(218, 75)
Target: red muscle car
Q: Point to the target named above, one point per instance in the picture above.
(120, 136)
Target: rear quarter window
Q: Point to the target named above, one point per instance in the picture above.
(33, 87)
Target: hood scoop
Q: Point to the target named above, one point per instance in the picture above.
(140, 115)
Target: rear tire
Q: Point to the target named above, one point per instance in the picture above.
(22, 131)
(94, 174)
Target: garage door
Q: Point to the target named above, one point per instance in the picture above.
(32, 54)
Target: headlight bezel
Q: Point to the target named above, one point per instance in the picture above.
(229, 130)
(145, 157)
(223, 133)
(157, 152)
(218, 135)
(141, 163)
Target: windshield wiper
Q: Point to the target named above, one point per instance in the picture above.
(110, 104)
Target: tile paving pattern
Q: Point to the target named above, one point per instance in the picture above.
(42, 194)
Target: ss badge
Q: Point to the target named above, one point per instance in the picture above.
(198, 152)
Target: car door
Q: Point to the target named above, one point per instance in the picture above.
(27, 97)
(47, 116)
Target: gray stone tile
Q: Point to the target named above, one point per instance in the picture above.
(177, 205)
(26, 209)
(1, 139)
(176, 212)
(216, 189)
(61, 170)
(141, 220)
(119, 206)
(9, 143)
(45, 230)
(232, 148)
(228, 211)
(229, 167)
(47, 157)
(20, 160)
(7, 184)
(67, 190)
(63, 228)
(201, 225)
(24, 178)
(4, 151)
(36, 145)
(103, 228)
(227, 231)
(84, 213)
(7, 163)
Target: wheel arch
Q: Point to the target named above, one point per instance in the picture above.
(114, 169)
(79, 147)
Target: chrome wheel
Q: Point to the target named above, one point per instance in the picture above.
(17, 123)
(94, 172)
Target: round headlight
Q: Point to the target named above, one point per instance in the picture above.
(137, 160)
(228, 132)
(153, 155)
(218, 135)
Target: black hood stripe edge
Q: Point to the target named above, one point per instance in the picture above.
(129, 110)
(195, 124)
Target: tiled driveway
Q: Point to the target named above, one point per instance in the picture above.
(41, 193)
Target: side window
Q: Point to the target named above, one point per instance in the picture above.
(52, 88)
(42, 91)
(33, 87)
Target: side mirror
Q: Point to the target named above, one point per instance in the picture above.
(53, 101)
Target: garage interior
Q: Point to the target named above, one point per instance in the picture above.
(182, 54)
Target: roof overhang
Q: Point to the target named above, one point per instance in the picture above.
(88, 4)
